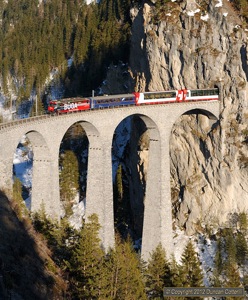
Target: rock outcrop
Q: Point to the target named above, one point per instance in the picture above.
(199, 47)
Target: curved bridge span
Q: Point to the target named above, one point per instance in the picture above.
(46, 133)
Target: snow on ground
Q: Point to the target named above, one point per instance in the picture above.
(206, 251)
(219, 4)
(22, 167)
(205, 248)
(180, 240)
(191, 13)
(205, 17)
(76, 218)
(23, 170)
(22, 160)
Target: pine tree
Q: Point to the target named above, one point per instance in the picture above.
(19, 204)
(215, 279)
(44, 224)
(158, 274)
(85, 265)
(243, 222)
(232, 276)
(107, 279)
(69, 179)
(191, 273)
(230, 248)
(218, 261)
(218, 264)
(176, 280)
(127, 279)
(119, 183)
(63, 238)
(242, 248)
(233, 279)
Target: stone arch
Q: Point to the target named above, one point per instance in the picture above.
(144, 209)
(41, 169)
(208, 113)
(205, 117)
(93, 168)
(188, 147)
(41, 151)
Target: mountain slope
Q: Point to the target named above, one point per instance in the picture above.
(25, 266)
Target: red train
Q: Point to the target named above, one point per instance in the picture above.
(98, 102)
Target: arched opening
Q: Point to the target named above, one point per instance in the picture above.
(73, 162)
(32, 167)
(130, 156)
(191, 157)
(22, 170)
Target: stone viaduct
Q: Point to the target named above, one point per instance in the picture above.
(46, 133)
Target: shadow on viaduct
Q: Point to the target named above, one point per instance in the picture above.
(46, 133)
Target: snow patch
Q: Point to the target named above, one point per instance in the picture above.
(206, 249)
(205, 17)
(219, 4)
(23, 162)
(191, 13)
(76, 218)
(180, 241)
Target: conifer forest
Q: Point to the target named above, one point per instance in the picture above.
(38, 37)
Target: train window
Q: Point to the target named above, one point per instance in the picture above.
(204, 92)
(159, 95)
(148, 96)
(196, 93)
(214, 92)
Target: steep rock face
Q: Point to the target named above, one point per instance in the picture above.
(199, 47)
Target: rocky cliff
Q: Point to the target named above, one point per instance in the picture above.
(198, 45)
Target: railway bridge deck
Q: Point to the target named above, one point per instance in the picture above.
(46, 133)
